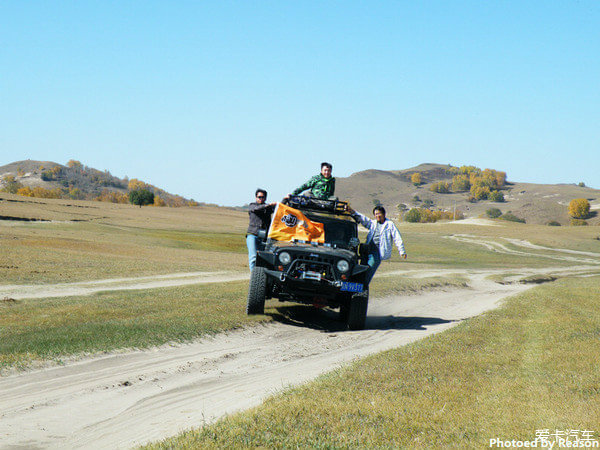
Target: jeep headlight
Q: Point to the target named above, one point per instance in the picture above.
(343, 266)
(285, 258)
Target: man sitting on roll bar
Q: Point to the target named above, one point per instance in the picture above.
(321, 186)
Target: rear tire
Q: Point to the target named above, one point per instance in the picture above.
(257, 291)
(357, 313)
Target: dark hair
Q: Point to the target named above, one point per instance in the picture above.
(379, 208)
(326, 164)
(260, 190)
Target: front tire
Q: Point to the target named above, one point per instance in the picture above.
(257, 291)
(357, 314)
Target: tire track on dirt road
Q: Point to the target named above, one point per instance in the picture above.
(118, 284)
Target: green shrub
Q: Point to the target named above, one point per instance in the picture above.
(496, 196)
(141, 197)
(442, 187)
(553, 223)
(511, 218)
(493, 213)
(11, 185)
(413, 216)
(578, 222)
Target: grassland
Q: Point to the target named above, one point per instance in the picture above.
(93, 240)
(529, 365)
(89, 240)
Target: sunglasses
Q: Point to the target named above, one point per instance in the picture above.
(261, 196)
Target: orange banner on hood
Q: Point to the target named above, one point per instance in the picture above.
(289, 223)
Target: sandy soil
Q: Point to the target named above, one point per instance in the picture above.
(473, 221)
(122, 399)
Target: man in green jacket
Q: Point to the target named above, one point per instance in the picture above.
(321, 186)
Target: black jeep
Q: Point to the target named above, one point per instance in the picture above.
(328, 274)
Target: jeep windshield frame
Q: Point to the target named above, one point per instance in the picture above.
(338, 232)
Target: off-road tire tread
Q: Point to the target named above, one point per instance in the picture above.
(357, 313)
(257, 292)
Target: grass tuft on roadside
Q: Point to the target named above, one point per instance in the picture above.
(532, 364)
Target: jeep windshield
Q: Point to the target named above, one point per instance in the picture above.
(337, 232)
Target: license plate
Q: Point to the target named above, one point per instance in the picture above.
(351, 287)
(308, 275)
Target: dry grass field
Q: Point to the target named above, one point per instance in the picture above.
(80, 240)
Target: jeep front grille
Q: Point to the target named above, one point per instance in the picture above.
(310, 263)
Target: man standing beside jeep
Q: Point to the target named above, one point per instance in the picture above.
(382, 234)
(260, 218)
(322, 186)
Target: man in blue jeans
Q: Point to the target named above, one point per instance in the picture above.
(260, 218)
(382, 234)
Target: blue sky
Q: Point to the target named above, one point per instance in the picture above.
(212, 99)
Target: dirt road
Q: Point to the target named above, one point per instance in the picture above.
(119, 400)
(123, 399)
(117, 284)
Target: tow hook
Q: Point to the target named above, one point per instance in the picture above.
(282, 277)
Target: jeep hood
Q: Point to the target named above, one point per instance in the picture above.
(320, 250)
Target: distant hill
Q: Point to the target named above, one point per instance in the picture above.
(536, 203)
(77, 181)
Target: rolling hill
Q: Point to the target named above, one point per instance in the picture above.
(78, 182)
(536, 203)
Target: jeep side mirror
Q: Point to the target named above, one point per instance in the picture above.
(262, 234)
(354, 242)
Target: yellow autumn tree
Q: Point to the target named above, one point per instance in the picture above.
(74, 164)
(442, 187)
(416, 179)
(460, 183)
(480, 192)
(25, 191)
(112, 197)
(159, 201)
(579, 208)
(135, 184)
